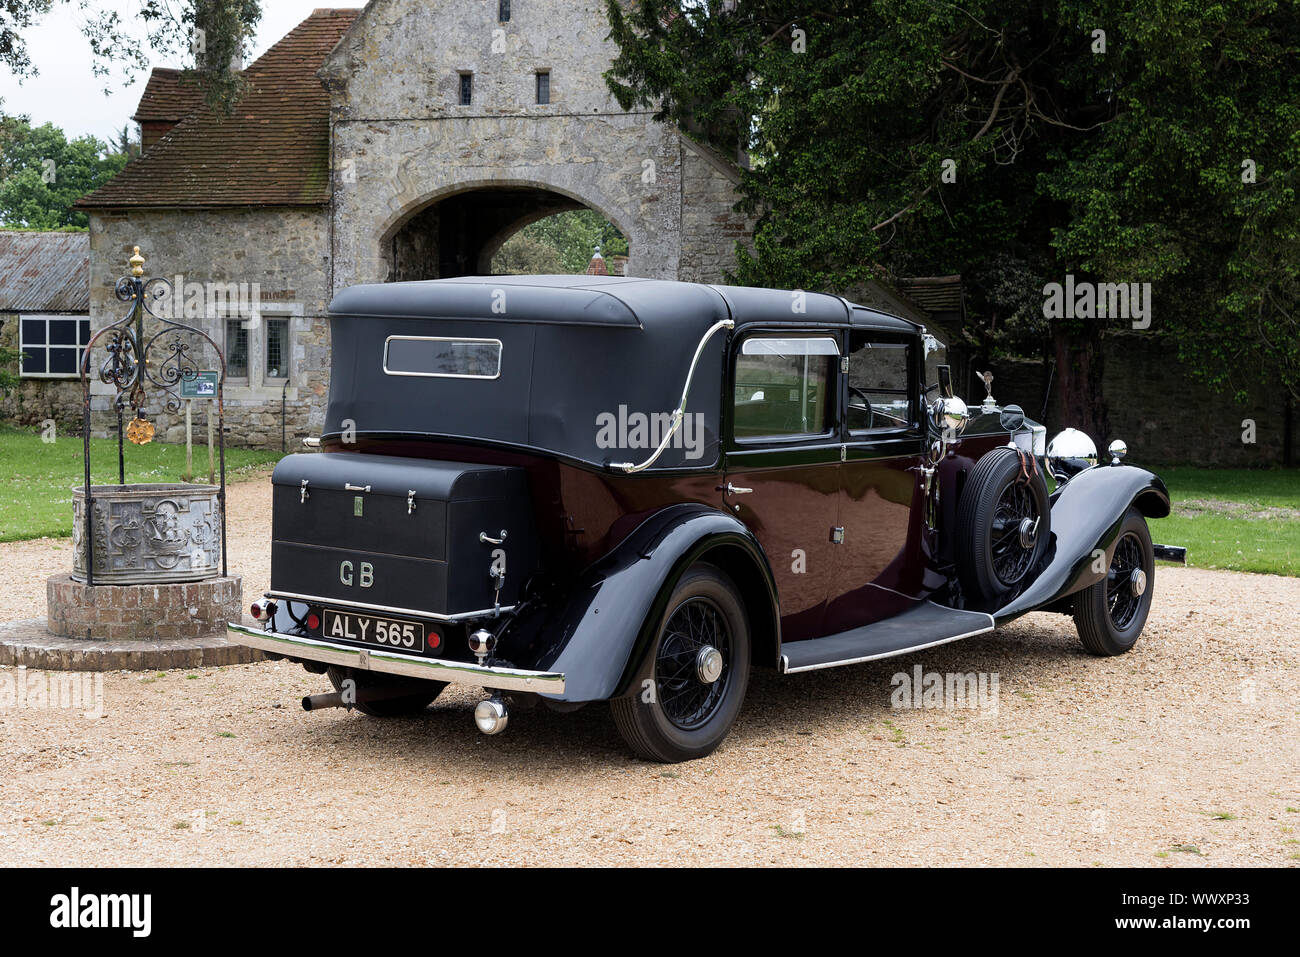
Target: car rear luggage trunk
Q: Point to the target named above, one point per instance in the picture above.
(400, 533)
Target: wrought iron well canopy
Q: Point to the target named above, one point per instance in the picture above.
(148, 359)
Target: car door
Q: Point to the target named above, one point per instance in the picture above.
(782, 462)
(879, 569)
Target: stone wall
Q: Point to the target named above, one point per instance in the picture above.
(1165, 415)
(711, 228)
(402, 142)
(281, 257)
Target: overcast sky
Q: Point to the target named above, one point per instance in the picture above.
(70, 96)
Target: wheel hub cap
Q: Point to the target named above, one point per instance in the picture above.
(1028, 532)
(1137, 582)
(708, 664)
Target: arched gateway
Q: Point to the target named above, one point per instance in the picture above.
(406, 140)
(454, 125)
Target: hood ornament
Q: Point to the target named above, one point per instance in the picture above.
(988, 387)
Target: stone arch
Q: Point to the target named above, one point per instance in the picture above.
(458, 229)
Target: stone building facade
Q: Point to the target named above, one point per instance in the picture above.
(44, 315)
(362, 151)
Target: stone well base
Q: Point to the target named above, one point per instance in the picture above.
(119, 613)
(29, 644)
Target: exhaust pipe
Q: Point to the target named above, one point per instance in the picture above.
(334, 699)
(491, 715)
(319, 702)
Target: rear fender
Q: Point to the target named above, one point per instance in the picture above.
(599, 634)
(1087, 513)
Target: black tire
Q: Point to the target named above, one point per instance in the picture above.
(993, 557)
(670, 714)
(400, 707)
(1108, 615)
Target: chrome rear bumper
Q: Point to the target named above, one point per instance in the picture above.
(387, 662)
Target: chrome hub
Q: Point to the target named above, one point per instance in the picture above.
(1137, 582)
(708, 664)
(1028, 532)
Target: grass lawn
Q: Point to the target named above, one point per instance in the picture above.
(36, 478)
(1236, 519)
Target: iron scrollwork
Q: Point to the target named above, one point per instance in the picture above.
(141, 365)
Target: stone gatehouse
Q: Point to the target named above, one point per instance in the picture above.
(407, 140)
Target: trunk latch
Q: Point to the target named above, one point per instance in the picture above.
(302, 497)
(410, 501)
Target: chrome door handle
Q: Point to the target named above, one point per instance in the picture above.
(489, 540)
(349, 487)
(733, 490)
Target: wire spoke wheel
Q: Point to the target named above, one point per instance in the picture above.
(1012, 551)
(1003, 528)
(1111, 613)
(1122, 600)
(687, 700)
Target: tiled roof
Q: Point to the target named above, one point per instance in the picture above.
(44, 272)
(933, 293)
(169, 95)
(273, 151)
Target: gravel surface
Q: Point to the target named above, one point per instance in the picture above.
(1185, 752)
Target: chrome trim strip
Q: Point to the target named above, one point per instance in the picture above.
(680, 412)
(386, 662)
(787, 670)
(408, 612)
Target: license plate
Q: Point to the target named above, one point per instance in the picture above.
(391, 633)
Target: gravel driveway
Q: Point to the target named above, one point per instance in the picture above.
(1185, 752)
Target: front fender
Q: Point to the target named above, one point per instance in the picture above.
(1087, 512)
(599, 631)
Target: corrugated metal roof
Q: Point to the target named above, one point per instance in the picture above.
(44, 272)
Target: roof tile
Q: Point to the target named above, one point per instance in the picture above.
(273, 151)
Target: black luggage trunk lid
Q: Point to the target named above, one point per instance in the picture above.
(401, 533)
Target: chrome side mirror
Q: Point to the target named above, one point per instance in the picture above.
(1012, 419)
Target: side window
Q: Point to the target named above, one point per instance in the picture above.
(52, 346)
(880, 395)
(784, 386)
(236, 349)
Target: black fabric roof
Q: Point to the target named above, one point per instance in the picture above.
(603, 301)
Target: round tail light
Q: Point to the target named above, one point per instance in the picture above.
(313, 621)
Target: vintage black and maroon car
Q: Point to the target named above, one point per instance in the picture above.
(572, 489)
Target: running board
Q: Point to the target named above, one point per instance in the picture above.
(924, 626)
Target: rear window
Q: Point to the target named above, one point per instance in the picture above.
(442, 358)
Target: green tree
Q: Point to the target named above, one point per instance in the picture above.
(575, 236)
(215, 33)
(44, 174)
(9, 378)
(1013, 144)
(523, 255)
